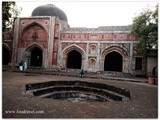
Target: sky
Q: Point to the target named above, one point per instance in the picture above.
(94, 14)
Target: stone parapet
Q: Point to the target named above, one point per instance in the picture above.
(102, 29)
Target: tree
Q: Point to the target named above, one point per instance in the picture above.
(9, 12)
(145, 26)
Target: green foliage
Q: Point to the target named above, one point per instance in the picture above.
(145, 26)
(9, 12)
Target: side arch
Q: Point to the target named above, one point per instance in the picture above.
(70, 48)
(115, 49)
(73, 47)
(119, 50)
(6, 54)
(6, 46)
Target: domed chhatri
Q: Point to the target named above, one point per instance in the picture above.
(49, 10)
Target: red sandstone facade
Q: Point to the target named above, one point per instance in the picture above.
(50, 41)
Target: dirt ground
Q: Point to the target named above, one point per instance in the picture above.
(16, 104)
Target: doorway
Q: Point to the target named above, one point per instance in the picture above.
(36, 57)
(113, 62)
(74, 60)
(5, 56)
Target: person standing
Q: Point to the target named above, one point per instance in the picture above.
(21, 65)
(25, 65)
(82, 74)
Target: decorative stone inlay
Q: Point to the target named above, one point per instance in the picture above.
(46, 22)
(92, 63)
(94, 37)
(93, 49)
(101, 29)
(124, 46)
(23, 22)
(30, 42)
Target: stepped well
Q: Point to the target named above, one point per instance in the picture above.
(78, 89)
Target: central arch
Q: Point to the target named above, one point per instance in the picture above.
(36, 57)
(74, 60)
(113, 62)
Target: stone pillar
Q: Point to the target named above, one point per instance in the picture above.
(98, 58)
(126, 64)
(27, 57)
(21, 54)
(45, 59)
(86, 64)
(50, 41)
(101, 61)
(83, 64)
(59, 59)
(15, 42)
(64, 62)
(130, 58)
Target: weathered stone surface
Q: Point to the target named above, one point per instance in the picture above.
(56, 40)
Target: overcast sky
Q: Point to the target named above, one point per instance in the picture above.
(94, 14)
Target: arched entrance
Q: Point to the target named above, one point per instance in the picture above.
(36, 57)
(5, 56)
(74, 60)
(113, 62)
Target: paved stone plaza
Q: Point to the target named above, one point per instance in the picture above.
(17, 104)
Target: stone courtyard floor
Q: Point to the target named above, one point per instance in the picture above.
(16, 104)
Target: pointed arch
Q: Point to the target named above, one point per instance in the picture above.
(113, 62)
(74, 60)
(34, 24)
(114, 52)
(33, 29)
(6, 46)
(92, 63)
(70, 48)
(117, 49)
(73, 47)
(35, 51)
(32, 45)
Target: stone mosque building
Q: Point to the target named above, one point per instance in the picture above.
(45, 40)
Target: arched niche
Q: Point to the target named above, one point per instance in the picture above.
(92, 65)
(34, 32)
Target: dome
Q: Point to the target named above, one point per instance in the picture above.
(49, 10)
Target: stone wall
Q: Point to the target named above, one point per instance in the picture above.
(152, 61)
(33, 32)
(56, 40)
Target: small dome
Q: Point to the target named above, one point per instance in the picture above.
(49, 10)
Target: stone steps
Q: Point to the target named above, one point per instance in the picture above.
(77, 83)
(103, 93)
(75, 94)
(95, 89)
